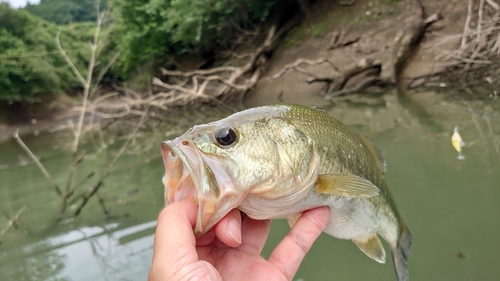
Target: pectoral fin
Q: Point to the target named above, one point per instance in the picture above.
(372, 247)
(346, 185)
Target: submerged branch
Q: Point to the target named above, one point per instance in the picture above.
(38, 163)
(99, 184)
(12, 221)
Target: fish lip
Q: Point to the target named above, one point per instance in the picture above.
(170, 161)
(190, 172)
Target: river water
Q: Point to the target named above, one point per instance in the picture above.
(451, 206)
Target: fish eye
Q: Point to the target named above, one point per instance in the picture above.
(225, 136)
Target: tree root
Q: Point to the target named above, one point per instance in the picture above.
(176, 88)
(379, 67)
(479, 45)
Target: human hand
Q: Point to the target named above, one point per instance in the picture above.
(231, 250)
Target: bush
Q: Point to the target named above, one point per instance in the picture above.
(156, 30)
(30, 63)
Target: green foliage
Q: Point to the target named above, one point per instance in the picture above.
(23, 75)
(147, 33)
(155, 30)
(66, 11)
(30, 63)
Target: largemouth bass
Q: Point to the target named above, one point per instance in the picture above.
(278, 161)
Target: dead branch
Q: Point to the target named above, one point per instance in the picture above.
(89, 87)
(12, 221)
(98, 185)
(38, 163)
(493, 4)
(479, 43)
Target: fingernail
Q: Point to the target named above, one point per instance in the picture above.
(233, 228)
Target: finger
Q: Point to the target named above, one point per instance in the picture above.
(290, 252)
(174, 236)
(206, 238)
(176, 221)
(228, 230)
(254, 234)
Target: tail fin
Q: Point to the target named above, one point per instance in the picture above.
(401, 252)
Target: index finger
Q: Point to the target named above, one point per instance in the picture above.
(290, 252)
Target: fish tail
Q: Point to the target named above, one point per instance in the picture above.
(401, 252)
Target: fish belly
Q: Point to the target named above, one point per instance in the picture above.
(351, 218)
(354, 218)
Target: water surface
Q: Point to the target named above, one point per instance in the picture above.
(451, 206)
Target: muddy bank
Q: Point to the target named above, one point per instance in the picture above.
(352, 35)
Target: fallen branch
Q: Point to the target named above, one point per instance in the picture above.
(89, 84)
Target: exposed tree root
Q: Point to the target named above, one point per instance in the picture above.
(176, 88)
(376, 68)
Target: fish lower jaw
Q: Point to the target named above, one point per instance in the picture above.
(260, 209)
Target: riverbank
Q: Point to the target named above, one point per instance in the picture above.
(365, 28)
(340, 34)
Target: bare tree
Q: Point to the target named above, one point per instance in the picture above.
(90, 85)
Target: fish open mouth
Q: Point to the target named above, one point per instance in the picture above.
(190, 173)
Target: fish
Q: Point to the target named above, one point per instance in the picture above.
(277, 161)
(457, 143)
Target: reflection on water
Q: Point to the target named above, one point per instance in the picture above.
(87, 253)
(451, 206)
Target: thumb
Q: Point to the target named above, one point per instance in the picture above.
(174, 238)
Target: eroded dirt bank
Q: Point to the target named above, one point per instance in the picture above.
(360, 45)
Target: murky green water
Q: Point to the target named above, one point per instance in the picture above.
(451, 206)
